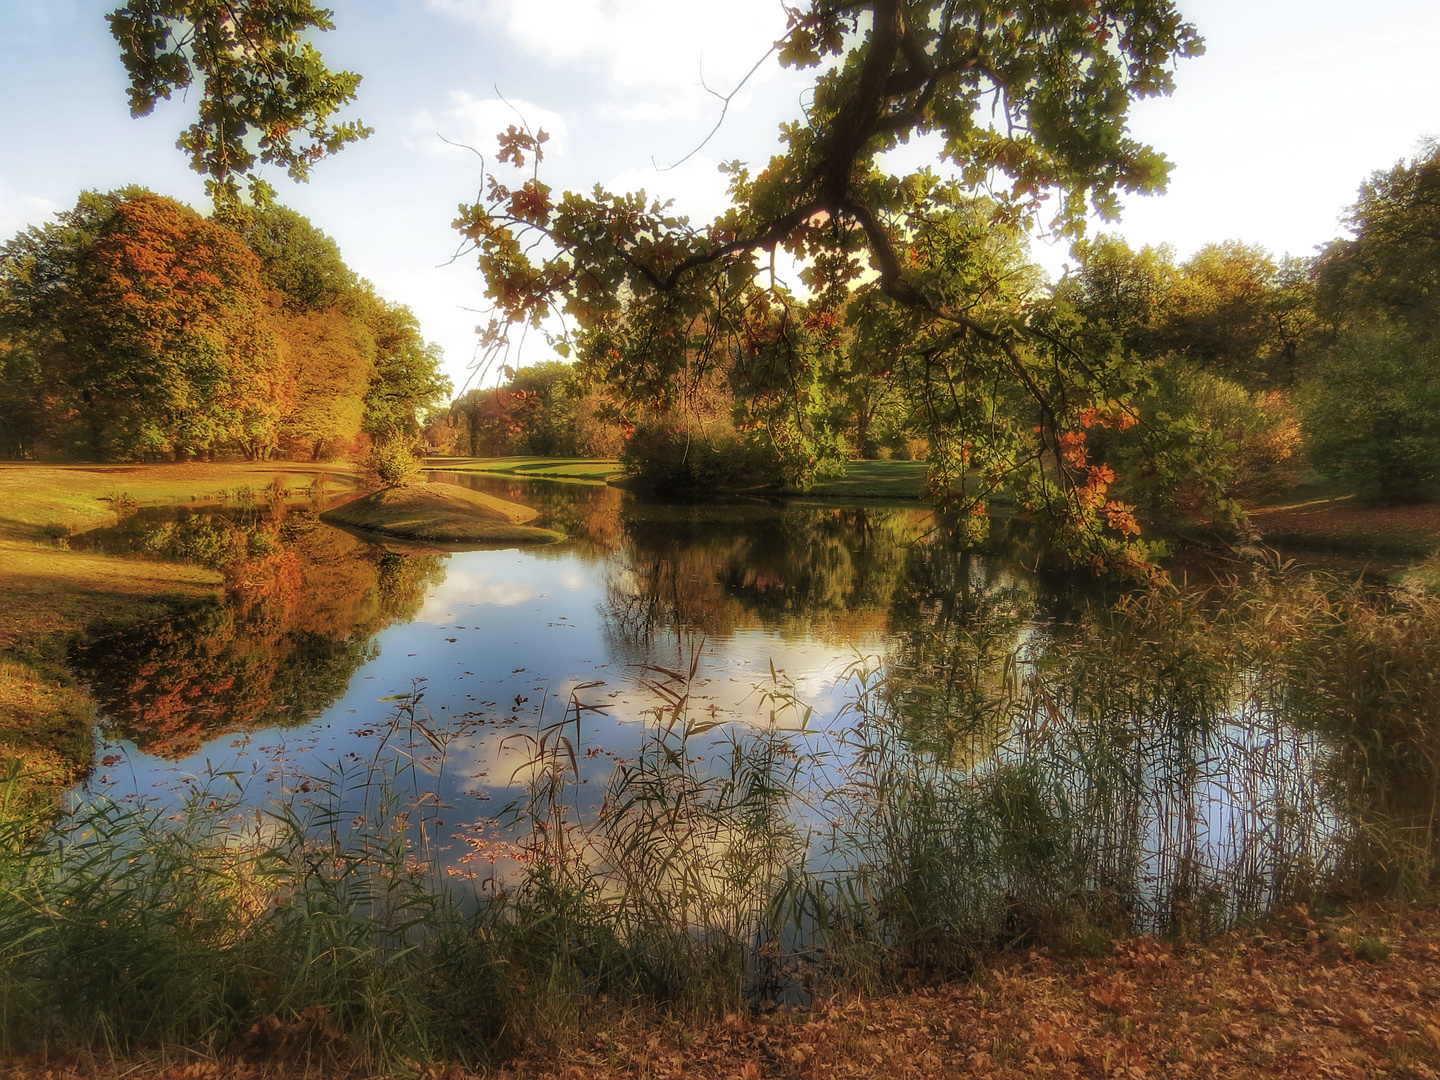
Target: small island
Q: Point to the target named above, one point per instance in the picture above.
(442, 512)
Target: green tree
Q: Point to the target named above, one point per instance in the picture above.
(1219, 340)
(1370, 410)
(297, 260)
(1371, 404)
(265, 97)
(1235, 312)
(1389, 270)
(545, 397)
(1230, 309)
(1124, 291)
(20, 390)
(1033, 102)
(405, 380)
(145, 323)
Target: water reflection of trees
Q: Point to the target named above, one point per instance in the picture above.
(956, 622)
(715, 569)
(1132, 764)
(296, 621)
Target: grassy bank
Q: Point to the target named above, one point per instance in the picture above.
(862, 479)
(1327, 517)
(51, 596)
(1347, 994)
(442, 512)
(875, 480)
(573, 470)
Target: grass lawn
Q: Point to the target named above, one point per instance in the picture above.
(862, 479)
(875, 480)
(50, 596)
(1329, 517)
(575, 470)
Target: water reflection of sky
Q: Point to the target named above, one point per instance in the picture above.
(595, 639)
(498, 651)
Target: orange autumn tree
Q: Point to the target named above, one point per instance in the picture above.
(147, 324)
(348, 344)
(329, 358)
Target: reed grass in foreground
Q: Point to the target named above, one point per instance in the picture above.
(1183, 762)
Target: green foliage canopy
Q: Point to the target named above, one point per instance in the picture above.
(1372, 403)
(145, 326)
(1032, 103)
(1390, 268)
(297, 260)
(1372, 410)
(266, 95)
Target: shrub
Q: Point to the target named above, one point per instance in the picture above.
(391, 463)
(673, 453)
(1370, 409)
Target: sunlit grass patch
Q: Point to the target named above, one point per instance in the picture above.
(547, 468)
(36, 497)
(875, 480)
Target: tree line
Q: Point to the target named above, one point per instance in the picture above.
(134, 328)
(1136, 389)
(1242, 368)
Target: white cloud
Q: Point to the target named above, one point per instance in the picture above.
(461, 587)
(697, 186)
(19, 211)
(475, 122)
(641, 43)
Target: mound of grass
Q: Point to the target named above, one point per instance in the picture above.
(445, 512)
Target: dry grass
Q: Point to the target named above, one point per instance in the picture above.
(1296, 998)
(1346, 524)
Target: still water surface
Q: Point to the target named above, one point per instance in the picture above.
(753, 614)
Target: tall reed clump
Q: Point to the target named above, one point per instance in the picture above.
(1129, 771)
(323, 926)
(308, 927)
(1367, 676)
(667, 894)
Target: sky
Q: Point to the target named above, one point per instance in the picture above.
(1294, 104)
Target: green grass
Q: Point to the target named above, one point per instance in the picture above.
(862, 479)
(50, 596)
(39, 502)
(443, 512)
(1371, 950)
(587, 470)
(875, 480)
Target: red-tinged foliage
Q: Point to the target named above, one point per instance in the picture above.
(259, 657)
(146, 323)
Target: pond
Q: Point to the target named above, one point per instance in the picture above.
(882, 689)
